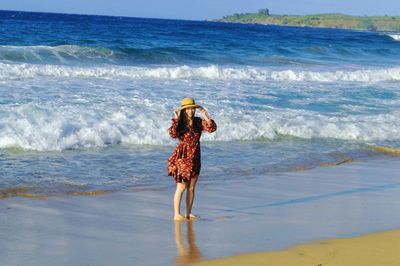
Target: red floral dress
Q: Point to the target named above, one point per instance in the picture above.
(184, 162)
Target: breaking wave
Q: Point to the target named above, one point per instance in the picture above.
(47, 128)
(395, 37)
(213, 72)
(55, 54)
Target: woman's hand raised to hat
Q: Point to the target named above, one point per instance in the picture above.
(203, 113)
(176, 113)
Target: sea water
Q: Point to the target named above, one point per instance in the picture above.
(86, 101)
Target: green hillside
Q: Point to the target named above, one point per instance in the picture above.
(382, 23)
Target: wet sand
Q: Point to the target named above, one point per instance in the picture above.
(261, 213)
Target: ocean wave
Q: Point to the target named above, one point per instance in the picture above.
(76, 54)
(56, 54)
(41, 128)
(395, 37)
(123, 54)
(213, 72)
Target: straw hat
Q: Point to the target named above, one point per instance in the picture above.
(188, 103)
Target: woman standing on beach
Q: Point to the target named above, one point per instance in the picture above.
(184, 163)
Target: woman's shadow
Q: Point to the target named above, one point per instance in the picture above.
(189, 252)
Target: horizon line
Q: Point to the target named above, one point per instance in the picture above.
(207, 20)
(98, 15)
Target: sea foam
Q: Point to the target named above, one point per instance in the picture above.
(212, 72)
(48, 128)
(395, 37)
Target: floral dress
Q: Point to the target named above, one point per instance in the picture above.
(184, 162)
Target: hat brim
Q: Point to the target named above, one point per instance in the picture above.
(188, 106)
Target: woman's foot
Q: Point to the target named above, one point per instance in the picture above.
(191, 216)
(179, 218)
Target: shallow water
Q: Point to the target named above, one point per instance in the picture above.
(86, 101)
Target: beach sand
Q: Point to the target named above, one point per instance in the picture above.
(370, 250)
(256, 214)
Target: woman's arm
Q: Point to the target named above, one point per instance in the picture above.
(173, 129)
(208, 124)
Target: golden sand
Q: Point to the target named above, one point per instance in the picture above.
(341, 158)
(89, 193)
(386, 150)
(20, 192)
(339, 162)
(379, 249)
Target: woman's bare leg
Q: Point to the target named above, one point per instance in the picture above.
(190, 195)
(180, 188)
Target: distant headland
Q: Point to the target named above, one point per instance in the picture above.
(342, 21)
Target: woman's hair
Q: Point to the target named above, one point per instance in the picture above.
(182, 124)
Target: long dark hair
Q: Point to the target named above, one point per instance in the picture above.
(183, 122)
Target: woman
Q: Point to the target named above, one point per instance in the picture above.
(184, 164)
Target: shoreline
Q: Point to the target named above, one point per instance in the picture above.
(379, 248)
(258, 214)
(310, 27)
(81, 190)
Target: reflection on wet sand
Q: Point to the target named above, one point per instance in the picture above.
(186, 253)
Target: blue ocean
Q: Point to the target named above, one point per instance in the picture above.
(86, 101)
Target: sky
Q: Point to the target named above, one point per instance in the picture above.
(203, 9)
